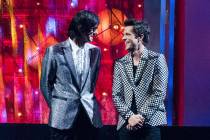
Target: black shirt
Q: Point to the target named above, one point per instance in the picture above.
(133, 105)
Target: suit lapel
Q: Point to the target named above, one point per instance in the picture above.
(70, 62)
(93, 57)
(93, 62)
(129, 68)
(142, 65)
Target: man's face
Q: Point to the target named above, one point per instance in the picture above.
(129, 37)
(90, 35)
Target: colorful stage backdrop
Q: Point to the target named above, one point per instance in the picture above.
(28, 27)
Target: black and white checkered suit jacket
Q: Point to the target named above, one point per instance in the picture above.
(148, 86)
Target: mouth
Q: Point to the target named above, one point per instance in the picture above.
(128, 46)
(91, 37)
(127, 42)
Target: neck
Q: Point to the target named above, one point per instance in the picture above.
(137, 52)
(80, 43)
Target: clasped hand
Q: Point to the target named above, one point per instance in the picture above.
(135, 122)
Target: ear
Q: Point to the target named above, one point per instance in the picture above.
(141, 37)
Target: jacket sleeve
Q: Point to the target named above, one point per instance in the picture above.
(159, 86)
(47, 75)
(117, 94)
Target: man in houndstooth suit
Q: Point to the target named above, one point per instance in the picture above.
(139, 86)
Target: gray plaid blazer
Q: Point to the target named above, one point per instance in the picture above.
(61, 89)
(148, 86)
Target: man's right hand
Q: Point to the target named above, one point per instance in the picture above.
(136, 119)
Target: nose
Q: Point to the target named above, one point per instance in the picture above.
(124, 38)
(95, 32)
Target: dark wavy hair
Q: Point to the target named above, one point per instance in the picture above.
(82, 22)
(140, 28)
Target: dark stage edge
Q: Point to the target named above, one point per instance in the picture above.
(41, 132)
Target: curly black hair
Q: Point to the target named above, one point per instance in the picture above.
(140, 28)
(82, 22)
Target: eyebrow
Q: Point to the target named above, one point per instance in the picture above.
(127, 33)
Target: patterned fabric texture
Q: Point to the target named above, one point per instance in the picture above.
(148, 86)
(63, 91)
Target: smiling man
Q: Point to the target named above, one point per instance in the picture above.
(68, 78)
(139, 86)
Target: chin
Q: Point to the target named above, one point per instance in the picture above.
(90, 39)
(127, 47)
(130, 49)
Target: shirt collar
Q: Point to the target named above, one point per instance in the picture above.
(74, 46)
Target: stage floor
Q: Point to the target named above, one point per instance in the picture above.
(41, 132)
